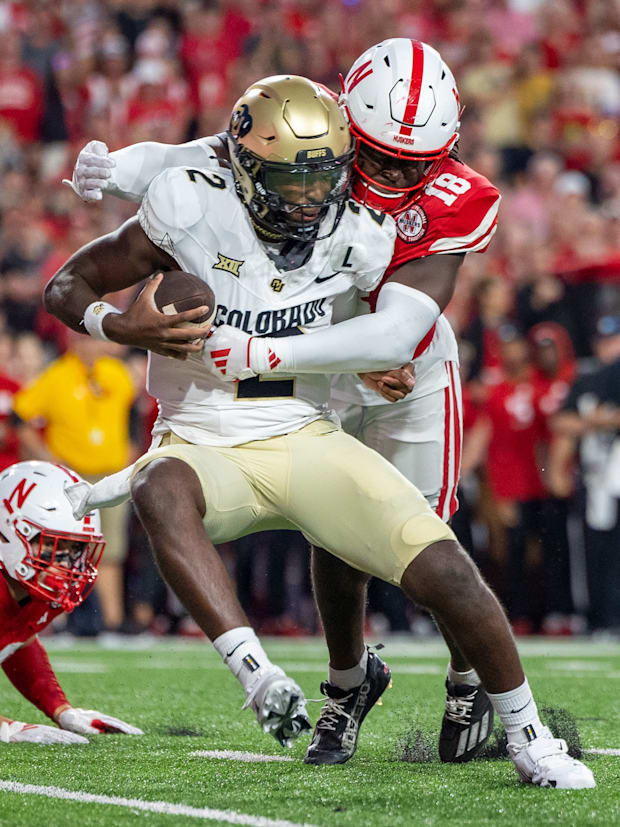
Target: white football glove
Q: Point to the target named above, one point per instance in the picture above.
(91, 171)
(234, 354)
(18, 731)
(91, 722)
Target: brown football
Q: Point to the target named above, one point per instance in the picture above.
(181, 291)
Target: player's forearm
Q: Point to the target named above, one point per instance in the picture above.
(376, 341)
(110, 263)
(137, 165)
(31, 673)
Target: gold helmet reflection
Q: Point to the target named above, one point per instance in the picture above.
(291, 153)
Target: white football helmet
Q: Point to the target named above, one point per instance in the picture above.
(401, 100)
(42, 546)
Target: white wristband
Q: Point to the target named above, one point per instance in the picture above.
(94, 315)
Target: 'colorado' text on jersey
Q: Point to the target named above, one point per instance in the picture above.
(196, 217)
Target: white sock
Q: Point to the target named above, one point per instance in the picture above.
(349, 678)
(470, 677)
(242, 652)
(518, 713)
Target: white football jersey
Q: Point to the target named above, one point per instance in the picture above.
(430, 375)
(196, 216)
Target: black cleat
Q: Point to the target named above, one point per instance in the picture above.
(335, 735)
(467, 723)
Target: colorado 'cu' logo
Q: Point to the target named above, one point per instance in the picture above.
(242, 121)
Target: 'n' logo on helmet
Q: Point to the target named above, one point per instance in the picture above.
(358, 75)
(21, 495)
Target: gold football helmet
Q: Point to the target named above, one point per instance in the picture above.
(291, 153)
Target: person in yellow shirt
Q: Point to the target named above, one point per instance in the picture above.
(83, 400)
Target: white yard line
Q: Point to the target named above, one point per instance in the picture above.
(78, 666)
(234, 755)
(603, 751)
(163, 807)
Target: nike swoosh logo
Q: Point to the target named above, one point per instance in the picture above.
(228, 654)
(514, 711)
(318, 279)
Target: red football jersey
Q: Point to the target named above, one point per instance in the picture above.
(518, 430)
(456, 213)
(18, 623)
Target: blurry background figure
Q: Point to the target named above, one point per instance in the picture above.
(77, 413)
(509, 438)
(493, 306)
(554, 371)
(588, 426)
(28, 357)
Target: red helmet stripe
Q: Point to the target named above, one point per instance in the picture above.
(417, 70)
(358, 75)
(66, 470)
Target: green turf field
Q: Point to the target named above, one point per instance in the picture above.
(186, 701)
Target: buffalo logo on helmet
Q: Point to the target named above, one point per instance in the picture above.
(412, 224)
(241, 121)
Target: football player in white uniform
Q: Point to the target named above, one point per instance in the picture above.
(403, 318)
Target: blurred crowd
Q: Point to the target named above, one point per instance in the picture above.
(538, 315)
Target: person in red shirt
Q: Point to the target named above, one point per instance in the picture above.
(509, 438)
(48, 564)
(21, 91)
(554, 371)
(9, 438)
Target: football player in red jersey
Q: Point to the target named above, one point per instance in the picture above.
(403, 163)
(48, 564)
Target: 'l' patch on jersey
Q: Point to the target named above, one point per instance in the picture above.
(229, 265)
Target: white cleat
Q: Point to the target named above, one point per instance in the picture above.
(545, 762)
(280, 706)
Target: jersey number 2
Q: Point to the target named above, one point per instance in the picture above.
(266, 387)
(447, 187)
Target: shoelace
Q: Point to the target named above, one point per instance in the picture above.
(332, 710)
(459, 709)
(331, 713)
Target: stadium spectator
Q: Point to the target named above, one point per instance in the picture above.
(9, 437)
(21, 91)
(553, 373)
(506, 438)
(27, 358)
(494, 302)
(590, 423)
(83, 400)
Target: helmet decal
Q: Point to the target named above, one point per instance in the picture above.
(21, 495)
(358, 75)
(415, 84)
(241, 121)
